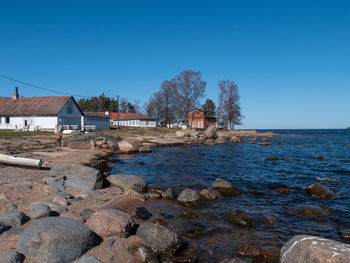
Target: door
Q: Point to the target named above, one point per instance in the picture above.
(200, 124)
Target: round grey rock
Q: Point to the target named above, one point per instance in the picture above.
(13, 218)
(189, 197)
(56, 240)
(11, 256)
(124, 181)
(36, 211)
(160, 239)
(225, 187)
(89, 259)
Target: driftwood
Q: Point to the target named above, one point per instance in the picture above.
(8, 159)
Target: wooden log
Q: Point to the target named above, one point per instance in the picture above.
(8, 159)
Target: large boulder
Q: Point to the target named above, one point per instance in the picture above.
(127, 147)
(13, 219)
(80, 177)
(225, 187)
(56, 240)
(11, 256)
(303, 248)
(210, 133)
(124, 181)
(160, 239)
(319, 191)
(111, 222)
(189, 197)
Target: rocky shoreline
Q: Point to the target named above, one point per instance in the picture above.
(72, 212)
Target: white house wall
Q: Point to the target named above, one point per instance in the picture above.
(18, 122)
(66, 118)
(100, 123)
(135, 123)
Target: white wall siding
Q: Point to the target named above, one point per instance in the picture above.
(135, 123)
(35, 122)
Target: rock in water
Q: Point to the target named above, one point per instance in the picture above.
(160, 239)
(111, 221)
(319, 191)
(13, 218)
(210, 194)
(124, 181)
(239, 217)
(168, 194)
(80, 177)
(126, 147)
(303, 248)
(225, 187)
(236, 260)
(189, 197)
(145, 149)
(210, 133)
(141, 213)
(56, 240)
(11, 256)
(146, 255)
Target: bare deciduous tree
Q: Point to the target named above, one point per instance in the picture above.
(229, 111)
(190, 90)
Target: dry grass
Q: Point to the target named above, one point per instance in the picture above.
(14, 133)
(141, 131)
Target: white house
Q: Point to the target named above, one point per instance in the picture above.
(132, 119)
(44, 113)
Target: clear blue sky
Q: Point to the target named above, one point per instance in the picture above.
(290, 59)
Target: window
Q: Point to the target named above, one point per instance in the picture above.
(70, 107)
(0, 119)
(7, 120)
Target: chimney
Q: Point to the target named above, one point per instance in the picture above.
(15, 96)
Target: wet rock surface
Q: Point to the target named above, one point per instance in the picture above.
(303, 248)
(225, 187)
(124, 181)
(319, 191)
(56, 239)
(240, 218)
(189, 197)
(89, 259)
(141, 213)
(160, 239)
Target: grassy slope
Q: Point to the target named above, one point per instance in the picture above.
(13, 133)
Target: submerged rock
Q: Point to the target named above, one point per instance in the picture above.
(303, 248)
(56, 240)
(146, 255)
(239, 217)
(236, 260)
(319, 191)
(145, 149)
(225, 187)
(111, 222)
(141, 213)
(168, 194)
(307, 210)
(189, 197)
(160, 239)
(252, 251)
(344, 234)
(124, 181)
(210, 194)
